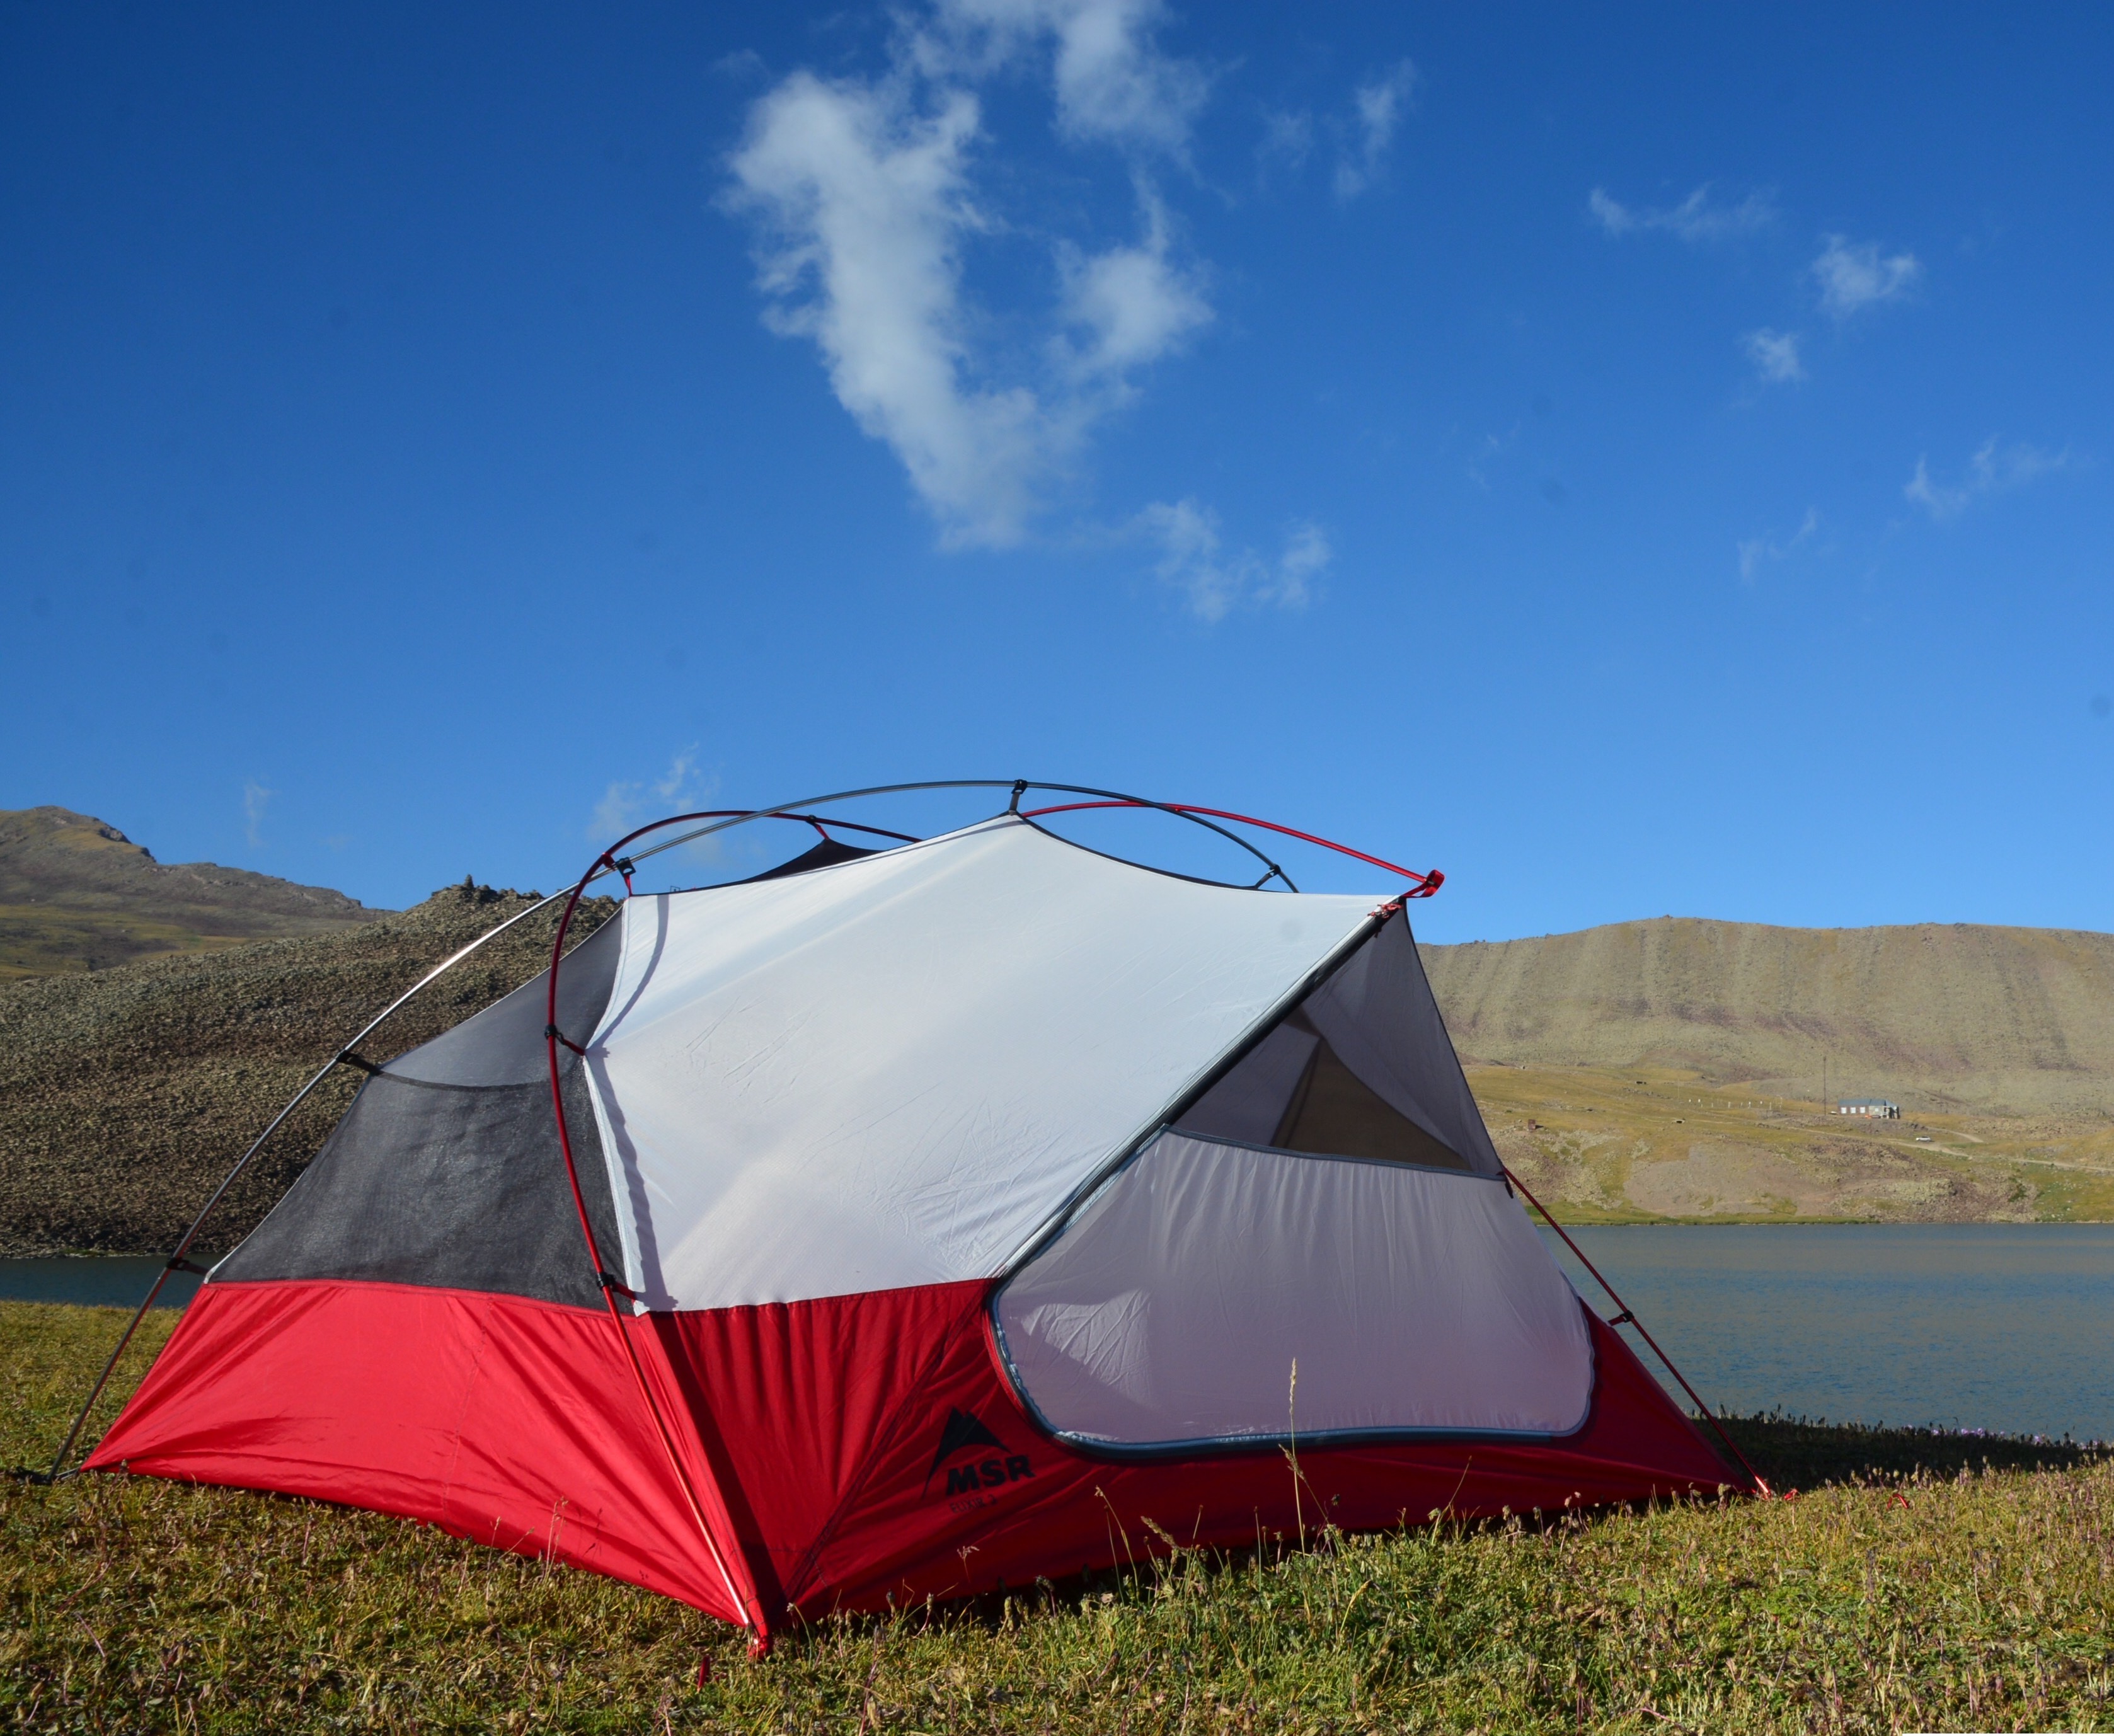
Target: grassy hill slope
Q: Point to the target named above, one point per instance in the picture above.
(77, 895)
(125, 1094)
(1955, 1018)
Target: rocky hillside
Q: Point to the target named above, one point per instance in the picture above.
(1938, 1018)
(77, 895)
(125, 1094)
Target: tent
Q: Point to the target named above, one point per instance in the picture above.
(971, 1211)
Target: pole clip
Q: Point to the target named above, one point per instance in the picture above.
(361, 1061)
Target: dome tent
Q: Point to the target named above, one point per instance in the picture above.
(940, 1217)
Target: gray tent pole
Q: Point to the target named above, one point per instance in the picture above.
(1016, 785)
(242, 1163)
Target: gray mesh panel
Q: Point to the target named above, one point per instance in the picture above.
(462, 1187)
(446, 1170)
(504, 1045)
(1384, 1058)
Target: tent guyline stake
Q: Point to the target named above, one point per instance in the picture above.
(178, 1262)
(1626, 1316)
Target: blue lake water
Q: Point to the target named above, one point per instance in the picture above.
(116, 1282)
(2007, 1327)
(2001, 1327)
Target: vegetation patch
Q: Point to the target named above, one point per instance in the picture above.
(1917, 1581)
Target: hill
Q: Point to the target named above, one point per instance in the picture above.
(1957, 1017)
(126, 1093)
(1674, 1069)
(77, 895)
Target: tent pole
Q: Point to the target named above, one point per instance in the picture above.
(610, 862)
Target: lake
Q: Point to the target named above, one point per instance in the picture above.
(2002, 1326)
(1999, 1326)
(115, 1281)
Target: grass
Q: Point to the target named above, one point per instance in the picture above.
(1917, 1582)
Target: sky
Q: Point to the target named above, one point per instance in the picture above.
(1641, 461)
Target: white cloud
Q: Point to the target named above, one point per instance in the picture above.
(1854, 277)
(1694, 219)
(861, 191)
(1112, 83)
(1377, 109)
(1214, 580)
(624, 803)
(256, 798)
(1133, 302)
(1774, 355)
(1994, 467)
(864, 203)
(1757, 550)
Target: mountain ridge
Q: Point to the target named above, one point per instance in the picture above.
(1968, 1016)
(77, 895)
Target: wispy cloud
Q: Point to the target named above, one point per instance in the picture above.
(1214, 580)
(1132, 303)
(1994, 468)
(626, 802)
(1113, 83)
(1288, 139)
(861, 191)
(1775, 355)
(1377, 108)
(1759, 549)
(1696, 218)
(1854, 275)
(256, 798)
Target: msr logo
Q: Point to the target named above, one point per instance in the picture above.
(964, 1433)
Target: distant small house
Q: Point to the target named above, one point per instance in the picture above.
(1869, 1106)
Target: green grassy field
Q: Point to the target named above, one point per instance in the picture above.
(1915, 1583)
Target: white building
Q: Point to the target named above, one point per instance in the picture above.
(1869, 1106)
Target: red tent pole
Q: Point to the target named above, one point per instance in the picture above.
(751, 1618)
(1427, 882)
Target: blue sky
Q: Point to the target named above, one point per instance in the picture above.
(1640, 462)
